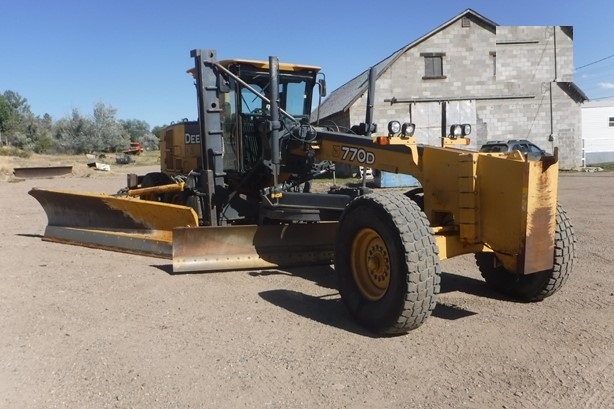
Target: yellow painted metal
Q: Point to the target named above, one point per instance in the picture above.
(112, 222)
(518, 210)
(130, 225)
(171, 187)
(478, 202)
(450, 245)
(468, 205)
(370, 264)
(179, 150)
(441, 171)
(541, 206)
(251, 246)
(448, 142)
(403, 159)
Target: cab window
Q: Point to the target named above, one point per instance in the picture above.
(293, 98)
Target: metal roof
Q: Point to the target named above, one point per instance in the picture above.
(573, 91)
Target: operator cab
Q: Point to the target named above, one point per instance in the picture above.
(245, 114)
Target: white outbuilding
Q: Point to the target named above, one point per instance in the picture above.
(598, 132)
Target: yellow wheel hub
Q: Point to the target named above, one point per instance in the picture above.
(370, 264)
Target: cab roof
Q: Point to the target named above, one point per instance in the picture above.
(263, 65)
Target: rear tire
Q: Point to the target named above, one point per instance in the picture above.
(387, 263)
(536, 286)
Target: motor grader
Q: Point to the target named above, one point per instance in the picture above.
(235, 192)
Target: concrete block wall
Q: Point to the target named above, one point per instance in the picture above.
(530, 119)
(468, 71)
(528, 54)
(567, 128)
(513, 104)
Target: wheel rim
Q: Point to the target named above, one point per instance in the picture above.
(370, 264)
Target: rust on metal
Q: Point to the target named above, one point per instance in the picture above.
(42, 171)
(517, 201)
(538, 252)
(245, 247)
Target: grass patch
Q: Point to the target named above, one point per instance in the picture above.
(13, 151)
(605, 166)
(148, 158)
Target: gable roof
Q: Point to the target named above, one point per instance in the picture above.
(574, 92)
(343, 97)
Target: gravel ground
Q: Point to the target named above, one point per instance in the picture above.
(86, 328)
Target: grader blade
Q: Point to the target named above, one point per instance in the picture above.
(245, 247)
(112, 222)
(41, 171)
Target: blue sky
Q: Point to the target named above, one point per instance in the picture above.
(132, 54)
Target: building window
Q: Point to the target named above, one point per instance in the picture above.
(612, 121)
(466, 22)
(493, 56)
(433, 65)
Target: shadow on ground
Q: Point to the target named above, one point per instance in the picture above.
(329, 309)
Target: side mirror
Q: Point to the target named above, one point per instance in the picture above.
(223, 83)
(322, 85)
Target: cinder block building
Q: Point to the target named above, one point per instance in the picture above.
(507, 82)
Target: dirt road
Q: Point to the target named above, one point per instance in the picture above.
(84, 328)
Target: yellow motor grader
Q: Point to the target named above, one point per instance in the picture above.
(235, 192)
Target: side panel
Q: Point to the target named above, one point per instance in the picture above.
(518, 211)
(180, 148)
(541, 216)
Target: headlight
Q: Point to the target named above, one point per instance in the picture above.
(456, 131)
(394, 127)
(408, 129)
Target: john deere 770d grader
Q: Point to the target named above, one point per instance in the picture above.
(234, 192)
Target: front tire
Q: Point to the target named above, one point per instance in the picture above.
(536, 286)
(387, 263)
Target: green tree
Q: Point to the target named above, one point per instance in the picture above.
(139, 132)
(135, 128)
(15, 111)
(72, 134)
(77, 133)
(44, 141)
(5, 114)
(158, 131)
(99, 133)
(156, 135)
(108, 135)
(18, 103)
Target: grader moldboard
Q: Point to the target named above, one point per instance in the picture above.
(234, 192)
